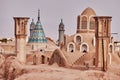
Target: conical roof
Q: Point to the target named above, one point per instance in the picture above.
(37, 34)
(61, 25)
(88, 11)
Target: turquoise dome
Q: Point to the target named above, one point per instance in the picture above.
(37, 34)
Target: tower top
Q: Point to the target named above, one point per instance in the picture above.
(38, 14)
(61, 23)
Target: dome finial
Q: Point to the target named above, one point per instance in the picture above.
(38, 14)
(61, 23)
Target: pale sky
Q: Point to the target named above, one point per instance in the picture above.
(51, 11)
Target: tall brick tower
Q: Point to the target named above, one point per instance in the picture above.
(103, 30)
(20, 37)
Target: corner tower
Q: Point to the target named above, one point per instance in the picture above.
(20, 37)
(103, 34)
(61, 33)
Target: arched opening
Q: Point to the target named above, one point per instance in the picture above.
(48, 59)
(92, 23)
(34, 60)
(78, 40)
(71, 48)
(84, 48)
(84, 22)
(43, 59)
(110, 49)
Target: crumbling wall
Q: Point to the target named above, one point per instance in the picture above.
(2, 60)
(13, 68)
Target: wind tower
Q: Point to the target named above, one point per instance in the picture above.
(102, 34)
(20, 37)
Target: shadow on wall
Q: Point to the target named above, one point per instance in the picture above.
(57, 57)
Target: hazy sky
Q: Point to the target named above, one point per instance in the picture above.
(52, 11)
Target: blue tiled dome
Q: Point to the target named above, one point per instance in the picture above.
(38, 25)
(37, 33)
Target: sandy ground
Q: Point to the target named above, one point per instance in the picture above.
(14, 70)
(45, 72)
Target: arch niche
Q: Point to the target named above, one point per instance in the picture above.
(43, 59)
(78, 39)
(110, 48)
(71, 47)
(84, 48)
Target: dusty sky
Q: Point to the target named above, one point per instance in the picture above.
(52, 11)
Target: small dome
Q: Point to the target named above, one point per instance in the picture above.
(32, 25)
(88, 11)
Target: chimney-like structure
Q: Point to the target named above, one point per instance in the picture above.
(102, 34)
(20, 37)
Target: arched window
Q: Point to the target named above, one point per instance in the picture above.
(84, 48)
(92, 23)
(84, 23)
(71, 48)
(43, 59)
(78, 40)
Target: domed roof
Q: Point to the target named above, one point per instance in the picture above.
(88, 11)
(37, 34)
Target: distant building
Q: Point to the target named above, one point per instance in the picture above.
(117, 46)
